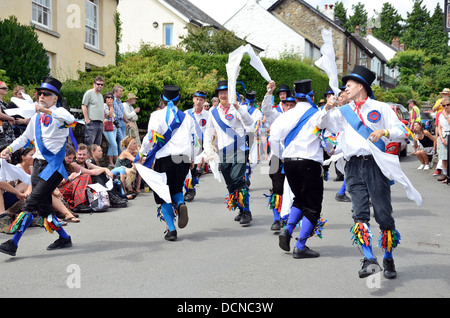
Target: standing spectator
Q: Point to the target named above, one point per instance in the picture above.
(214, 102)
(443, 132)
(206, 106)
(414, 113)
(6, 130)
(92, 107)
(131, 114)
(120, 115)
(109, 134)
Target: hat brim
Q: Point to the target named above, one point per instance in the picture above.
(356, 79)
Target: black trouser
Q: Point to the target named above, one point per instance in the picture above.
(275, 168)
(306, 182)
(40, 199)
(176, 168)
(232, 166)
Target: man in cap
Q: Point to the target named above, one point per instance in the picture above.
(94, 113)
(275, 164)
(200, 117)
(49, 129)
(365, 118)
(227, 122)
(293, 140)
(168, 148)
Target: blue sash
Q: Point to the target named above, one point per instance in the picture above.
(228, 130)
(198, 130)
(359, 126)
(167, 136)
(55, 161)
(251, 110)
(303, 120)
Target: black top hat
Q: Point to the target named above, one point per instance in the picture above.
(283, 88)
(250, 96)
(290, 96)
(171, 93)
(51, 84)
(328, 91)
(363, 76)
(222, 86)
(303, 87)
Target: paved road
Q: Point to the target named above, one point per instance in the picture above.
(122, 253)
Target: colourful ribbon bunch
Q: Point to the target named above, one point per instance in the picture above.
(20, 222)
(275, 201)
(319, 228)
(50, 223)
(155, 137)
(238, 199)
(361, 234)
(389, 240)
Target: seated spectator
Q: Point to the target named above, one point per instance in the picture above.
(73, 190)
(126, 159)
(424, 146)
(98, 174)
(96, 153)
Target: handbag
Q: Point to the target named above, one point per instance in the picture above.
(108, 125)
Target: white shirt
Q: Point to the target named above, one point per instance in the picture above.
(181, 142)
(130, 114)
(268, 110)
(256, 115)
(236, 119)
(53, 137)
(306, 144)
(201, 119)
(349, 141)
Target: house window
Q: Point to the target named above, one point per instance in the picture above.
(92, 33)
(168, 34)
(42, 13)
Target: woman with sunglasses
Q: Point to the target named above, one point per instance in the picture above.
(443, 132)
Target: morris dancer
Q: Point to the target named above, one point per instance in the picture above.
(169, 143)
(200, 117)
(275, 164)
(227, 122)
(373, 120)
(303, 157)
(49, 129)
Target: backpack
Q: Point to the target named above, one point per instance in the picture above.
(99, 201)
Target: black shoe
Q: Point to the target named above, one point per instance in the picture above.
(342, 197)
(276, 226)
(60, 243)
(238, 217)
(189, 195)
(369, 267)
(8, 247)
(182, 216)
(389, 268)
(246, 218)
(284, 239)
(171, 235)
(339, 178)
(304, 253)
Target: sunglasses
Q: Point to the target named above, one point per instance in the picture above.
(46, 94)
(445, 104)
(99, 84)
(5, 88)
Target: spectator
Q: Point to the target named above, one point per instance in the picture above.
(120, 115)
(206, 106)
(132, 116)
(443, 132)
(126, 159)
(424, 145)
(92, 107)
(214, 102)
(20, 122)
(6, 131)
(414, 113)
(73, 189)
(110, 135)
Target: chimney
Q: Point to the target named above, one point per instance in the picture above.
(396, 42)
(357, 29)
(328, 11)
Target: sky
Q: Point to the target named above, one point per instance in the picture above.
(221, 10)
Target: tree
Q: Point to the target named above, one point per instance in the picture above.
(340, 13)
(417, 21)
(389, 24)
(206, 41)
(437, 39)
(359, 17)
(22, 56)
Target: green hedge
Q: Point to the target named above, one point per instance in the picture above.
(146, 72)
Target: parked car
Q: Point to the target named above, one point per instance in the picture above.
(427, 119)
(399, 148)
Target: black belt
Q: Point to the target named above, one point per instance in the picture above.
(297, 159)
(363, 157)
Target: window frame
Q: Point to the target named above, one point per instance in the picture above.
(42, 9)
(93, 29)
